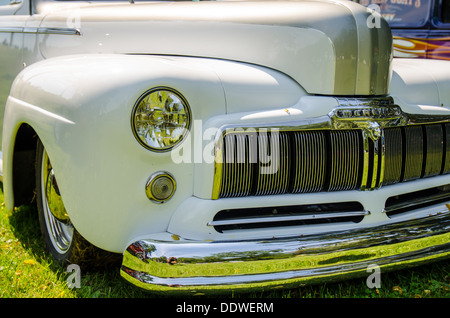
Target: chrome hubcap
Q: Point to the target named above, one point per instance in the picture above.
(58, 225)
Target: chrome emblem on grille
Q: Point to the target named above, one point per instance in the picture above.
(368, 112)
(371, 116)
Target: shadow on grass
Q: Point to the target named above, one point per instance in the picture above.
(25, 227)
(97, 280)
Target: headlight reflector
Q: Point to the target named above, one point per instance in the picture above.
(161, 118)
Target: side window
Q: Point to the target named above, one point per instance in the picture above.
(445, 11)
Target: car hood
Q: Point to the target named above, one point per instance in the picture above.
(326, 46)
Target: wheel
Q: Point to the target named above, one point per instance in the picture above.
(61, 239)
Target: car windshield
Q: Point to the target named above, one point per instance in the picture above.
(402, 13)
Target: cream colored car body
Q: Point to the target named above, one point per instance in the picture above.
(84, 65)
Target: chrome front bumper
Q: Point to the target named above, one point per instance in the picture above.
(207, 267)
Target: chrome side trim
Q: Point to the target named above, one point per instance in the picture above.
(11, 30)
(62, 31)
(33, 30)
(29, 30)
(201, 266)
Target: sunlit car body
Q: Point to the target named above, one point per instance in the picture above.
(225, 145)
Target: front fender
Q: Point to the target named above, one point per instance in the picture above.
(80, 107)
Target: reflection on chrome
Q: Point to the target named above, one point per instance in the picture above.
(189, 266)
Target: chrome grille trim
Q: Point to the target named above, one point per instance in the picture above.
(358, 146)
(393, 155)
(306, 161)
(275, 179)
(446, 168)
(416, 152)
(345, 160)
(312, 153)
(434, 150)
(413, 153)
(237, 165)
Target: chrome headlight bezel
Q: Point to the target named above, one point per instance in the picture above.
(178, 99)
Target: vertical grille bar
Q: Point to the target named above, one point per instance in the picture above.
(393, 155)
(273, 168)
(414, 152)
(434, 150)
(345, 160)
(237, 166)
(446, 163)
(310, 161)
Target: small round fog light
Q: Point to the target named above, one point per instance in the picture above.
(160, 187)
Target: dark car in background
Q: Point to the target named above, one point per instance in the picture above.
(420, 28)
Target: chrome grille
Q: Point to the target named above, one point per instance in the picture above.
(434, 150)
(413, 153)
(237, 167)
(393, 155)
(290, 162)
(272, 175)
(345, 160)
(304, 161)
(416, 152)
(310, 163)
(446, 168)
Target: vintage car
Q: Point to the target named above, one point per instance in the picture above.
(420, 28)
(224, 145)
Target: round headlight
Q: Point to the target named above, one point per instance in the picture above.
(161, 118)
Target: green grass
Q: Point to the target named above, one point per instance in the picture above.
(26, 271)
